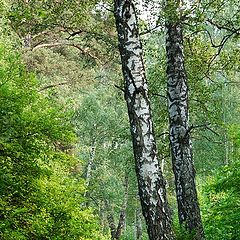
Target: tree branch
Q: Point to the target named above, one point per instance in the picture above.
(52, 85)
(149, 30)
(119, 88)
(206, 126)
(233, 31)
(201, 103)
(220, 48)
(156, 94)
(56, 44)
(162, 134)
(221, 27)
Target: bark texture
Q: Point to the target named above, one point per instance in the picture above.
(181, 145)
(151, 184)
(112, 225)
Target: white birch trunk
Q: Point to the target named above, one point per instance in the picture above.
(150, 180)
(180, 140)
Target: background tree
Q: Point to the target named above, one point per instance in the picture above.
(179, 130)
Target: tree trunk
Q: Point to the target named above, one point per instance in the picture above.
(27, 41)
(151, 184)
(116, 232)
(138, 224)
(90, 165)
(181, 145)
(122, 217)
(110, 218)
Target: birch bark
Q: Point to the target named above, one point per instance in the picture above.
(151, 184)
(89, 165)
(180, 140)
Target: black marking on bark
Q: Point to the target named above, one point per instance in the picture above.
(181, 147)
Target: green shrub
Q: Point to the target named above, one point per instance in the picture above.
(221, 210)
(40, 199)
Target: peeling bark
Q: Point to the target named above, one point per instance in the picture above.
(151, 184)
(180, 140)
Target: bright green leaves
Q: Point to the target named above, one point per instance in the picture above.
(40, 199)
(222, 205)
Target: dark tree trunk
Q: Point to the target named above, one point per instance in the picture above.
(138, 224)
(151, 184)
(111, 225)
(181, 145)
(122, 217)
(110, 219)
(116, 232)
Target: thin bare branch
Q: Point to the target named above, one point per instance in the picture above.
(119, 88)
(163, 134)
(150, 30)
(52, 86)
(156, 94)
(224, 27)
(70, 44)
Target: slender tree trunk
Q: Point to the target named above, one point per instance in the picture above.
(27, 41)
(110, 219)
(151, 184)
(111, 225)
(122, 217)
(90, 164)
(181, 145)
(116, 232)
(138, 224)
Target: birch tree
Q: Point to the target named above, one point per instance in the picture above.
(151, 184)
(180, 140)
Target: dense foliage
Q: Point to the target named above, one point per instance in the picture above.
(40, 199)
(65, 148)
(222, 205)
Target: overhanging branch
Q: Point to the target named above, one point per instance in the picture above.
(52, 85)
(57, 44)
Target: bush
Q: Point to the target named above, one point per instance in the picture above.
(221, 210)
(40, 199)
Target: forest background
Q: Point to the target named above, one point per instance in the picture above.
(67, 167)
